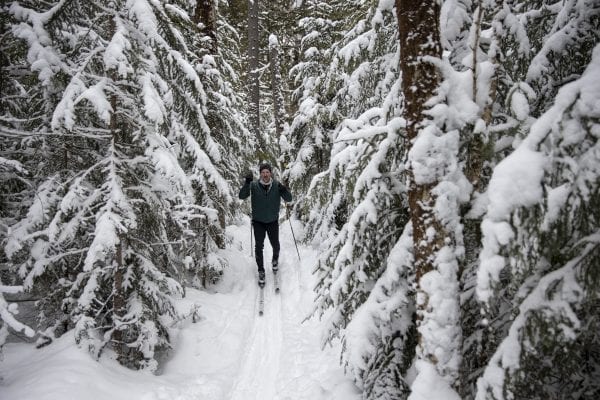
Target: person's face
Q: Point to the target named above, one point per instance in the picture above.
(265, 175)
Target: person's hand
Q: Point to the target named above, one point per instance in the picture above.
(284, 185)
(249, 177)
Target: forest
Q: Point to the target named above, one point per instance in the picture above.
(444, 157)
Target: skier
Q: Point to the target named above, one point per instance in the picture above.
(265, 213)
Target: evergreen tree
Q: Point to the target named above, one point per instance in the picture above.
(309, 136)
(133, 178)
(472, 66)
(358, 203)
(254, 75)
(484, 105)
(329, 79)
(541, 47)
(541, 252)
(18, 153)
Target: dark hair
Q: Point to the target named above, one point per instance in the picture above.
(265, 166)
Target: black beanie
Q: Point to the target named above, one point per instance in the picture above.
(265, 166)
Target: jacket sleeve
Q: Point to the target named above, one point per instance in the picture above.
(245, 191)
(284, 193)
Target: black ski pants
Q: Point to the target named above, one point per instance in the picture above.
(271, 229)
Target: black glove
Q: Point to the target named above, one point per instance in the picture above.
(283, 186)
(249, 177)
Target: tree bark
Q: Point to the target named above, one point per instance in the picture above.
(476, 146)
(418, 23)
(253, 73)
(276, 85)
(206, 14)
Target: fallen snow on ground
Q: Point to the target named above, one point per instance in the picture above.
(229, 354)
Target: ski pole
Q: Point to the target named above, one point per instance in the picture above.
(292, 229)
(251, 253)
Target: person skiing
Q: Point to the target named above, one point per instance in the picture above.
(265, 201)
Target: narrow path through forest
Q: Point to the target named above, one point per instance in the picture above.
(282, 359)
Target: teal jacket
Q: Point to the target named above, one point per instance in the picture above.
(265, 199)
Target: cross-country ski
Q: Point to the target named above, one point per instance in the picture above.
(276, 281)
(261, 292)
(261, 301)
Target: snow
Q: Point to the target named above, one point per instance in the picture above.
(519, 106)
(41, 54)
(7, 312)
(114, 54)
(507, 356)
(440, 288)
(153, 105)
(516, 180)
(230, 353)
(430, 153)
(429, 385)
(96, 96)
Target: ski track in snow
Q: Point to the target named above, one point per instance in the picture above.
(260, 364)
(276, 364)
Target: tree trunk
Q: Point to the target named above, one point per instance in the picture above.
(435, 257)
(419, 36)
(276, 85)
(206, 14)
(253, 73)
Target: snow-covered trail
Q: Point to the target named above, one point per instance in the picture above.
(231, 353)
(281, 355)
(263, 350)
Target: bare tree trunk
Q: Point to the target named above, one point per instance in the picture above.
(206, 14)
(419, 36)
(276, 85)
(435, 258)
(253, 73)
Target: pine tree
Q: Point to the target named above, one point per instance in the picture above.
(18, 152)
(310, 134)
(132, 182)
(277, 88)
(493, 87)
(507, 78)
(546, 241)
(471, 74)
(543, 253)
(358, 203)
(223, 132)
